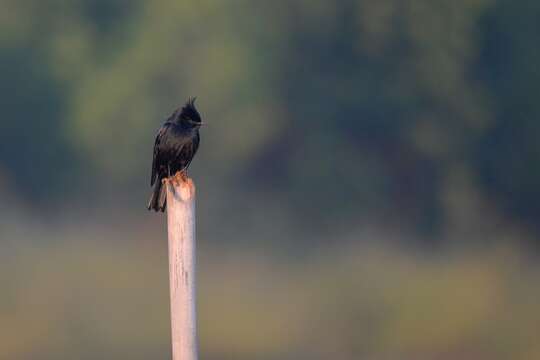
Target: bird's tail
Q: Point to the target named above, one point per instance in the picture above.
(158, 200)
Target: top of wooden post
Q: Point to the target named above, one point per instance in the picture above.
(180, 186)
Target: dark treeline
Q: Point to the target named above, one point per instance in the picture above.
(420, 112)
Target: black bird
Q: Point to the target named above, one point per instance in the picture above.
(176, 143)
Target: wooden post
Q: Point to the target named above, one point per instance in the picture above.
(181, 234)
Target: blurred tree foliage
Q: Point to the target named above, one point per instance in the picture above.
(388, 109)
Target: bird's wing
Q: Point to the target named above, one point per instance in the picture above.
(155, 161)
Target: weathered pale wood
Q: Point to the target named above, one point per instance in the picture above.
(181, 230)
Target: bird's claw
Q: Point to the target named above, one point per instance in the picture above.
(178, 178)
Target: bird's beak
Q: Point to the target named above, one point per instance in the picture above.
(201, 123)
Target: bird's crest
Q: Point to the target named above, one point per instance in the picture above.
(189, 111)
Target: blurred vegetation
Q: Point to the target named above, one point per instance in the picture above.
(397, 103)
(332, 125)
(79, 301)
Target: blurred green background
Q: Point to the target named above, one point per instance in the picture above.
(368, 183)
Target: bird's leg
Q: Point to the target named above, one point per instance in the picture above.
(172, 178)
(180, 176)
(169, 169)
(183, 175)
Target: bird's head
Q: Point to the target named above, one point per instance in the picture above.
(189, 116)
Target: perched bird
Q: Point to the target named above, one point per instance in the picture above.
(176, 143)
